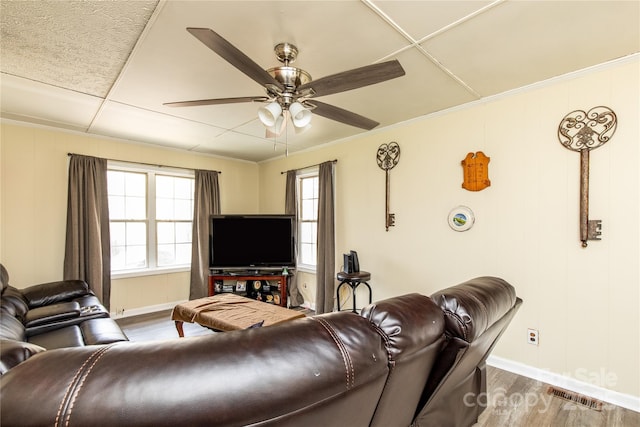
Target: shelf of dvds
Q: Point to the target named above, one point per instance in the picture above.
(268, 288)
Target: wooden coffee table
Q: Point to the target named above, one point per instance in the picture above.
(230, 312)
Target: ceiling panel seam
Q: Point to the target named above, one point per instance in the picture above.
(415, 44)
(136, 47)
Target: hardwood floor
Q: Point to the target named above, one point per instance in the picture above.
(512, 400)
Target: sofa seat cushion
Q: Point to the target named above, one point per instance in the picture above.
(13, 352)
(52, 313)
(101, 331)
(69, 336)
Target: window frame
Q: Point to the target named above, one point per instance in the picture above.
(300, 176)
(151, 171)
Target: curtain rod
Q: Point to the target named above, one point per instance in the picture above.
(143, 163)
(310, 166)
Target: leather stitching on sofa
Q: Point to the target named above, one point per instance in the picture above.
(348, 363)
(75, 387)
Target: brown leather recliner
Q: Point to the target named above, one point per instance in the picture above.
(333, 369)
(325, 370)
(477, 312)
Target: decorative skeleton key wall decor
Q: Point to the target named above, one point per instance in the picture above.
(388, 156)
(583, 132)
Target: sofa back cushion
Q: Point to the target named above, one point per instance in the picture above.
(473, 306)
(412, 328)
(54, 292)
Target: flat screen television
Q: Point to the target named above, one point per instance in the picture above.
(251, 242)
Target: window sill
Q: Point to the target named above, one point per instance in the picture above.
(148, 272)
(306, 269)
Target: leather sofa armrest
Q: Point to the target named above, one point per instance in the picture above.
(55, 292)
(51, 314)
(13, 352)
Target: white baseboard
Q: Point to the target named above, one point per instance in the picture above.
(597, 392)
(145, 310)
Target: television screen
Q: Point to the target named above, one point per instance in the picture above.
(251, 242)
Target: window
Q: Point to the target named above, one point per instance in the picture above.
(308, 220)
(150, 215)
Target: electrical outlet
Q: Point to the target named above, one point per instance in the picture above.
(120, 312)
(532, 336)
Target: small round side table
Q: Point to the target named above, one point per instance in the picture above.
(353, 280)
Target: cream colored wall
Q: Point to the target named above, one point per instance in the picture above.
(33, 201)
(584, 302)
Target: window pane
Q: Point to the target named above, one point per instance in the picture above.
(183, 253)
(166, 255)
(136, 184)
(136, 234)
(305, 232)
(314, 233)
(164, 186)
(115, 182)
(117, 233)
(308, 254)
(136, 256)
(309, 187)
(164, 209)
(135, 208)
(183, 232)
(116, 207)
(308, 212)
(166, 233)
(184, 188)
(117, 258)
(183, 209)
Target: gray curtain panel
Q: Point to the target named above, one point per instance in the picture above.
(88, 248)
(291, 208)
(325, 269)
(206, 202)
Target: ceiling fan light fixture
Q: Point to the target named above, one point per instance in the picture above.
(277, 128)
(300, 116)
(269, 114)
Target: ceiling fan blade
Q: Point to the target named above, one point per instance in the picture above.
(234, 56)
(216, 101)
(341, 115)
(356, 78)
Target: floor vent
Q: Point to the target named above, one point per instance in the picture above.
(580, 399)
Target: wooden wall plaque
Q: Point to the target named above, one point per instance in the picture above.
(476, 171)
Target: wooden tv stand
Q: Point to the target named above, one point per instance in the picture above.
(277, 284)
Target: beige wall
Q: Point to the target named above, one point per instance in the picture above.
(584, 302)
(33, 198)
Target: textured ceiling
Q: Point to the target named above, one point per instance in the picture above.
(75, 45)
(106, 68)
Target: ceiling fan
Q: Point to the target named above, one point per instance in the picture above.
(290, 91)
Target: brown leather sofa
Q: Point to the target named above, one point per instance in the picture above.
(49, 316)
(335, 369)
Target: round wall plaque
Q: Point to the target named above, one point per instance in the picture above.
(461, 218)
